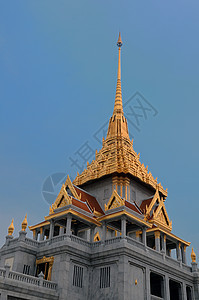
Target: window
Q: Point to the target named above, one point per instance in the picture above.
(26, 269)
(175, 290)
(156, 282)
(77, 276)
(104, 277)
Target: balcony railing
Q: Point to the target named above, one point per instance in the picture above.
(35, 281)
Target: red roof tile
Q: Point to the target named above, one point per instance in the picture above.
(145, 203)
(81, 205)
(132, 206)
(91, 200)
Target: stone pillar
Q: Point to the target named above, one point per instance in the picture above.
(137, 235)
(7, 268)
(144, 236)
(61, 230)
(92, 231)
(178, 251)
(184, 292)
(35, 234)
(157, 241)
(41, 238)
(68, 224)
(41, 278)
(184, 256)
(104, 229)
(167, 289)
(22, 235)
(8, 239)
(194, 266)
(148, 288)
(164, 246)
(4, 295)
(123, 226)
(52, 225)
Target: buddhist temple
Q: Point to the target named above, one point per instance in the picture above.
(106, 236)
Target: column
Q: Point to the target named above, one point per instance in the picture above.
(144, 236)
(4, 295)
(123, 226)
(178, 251)
(68, 224)
(61, 230)
(137, 235)
(164, 246)
(52, 225)
(41, 234)
(167, 289)
(104, 229)
(92, 231)
(184, 292)
(157, 241)
(184, 256)
(148, 288)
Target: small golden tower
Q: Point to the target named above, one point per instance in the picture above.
(11, 228)
(193, 256)
(24, 224)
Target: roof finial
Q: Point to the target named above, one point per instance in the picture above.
(11, 228)
(119, 42)
(118, 107)
(193, 256)
(24, 223)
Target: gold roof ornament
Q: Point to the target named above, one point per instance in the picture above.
(193, 256)
(11, 228)
(117, 154)
(24, 224)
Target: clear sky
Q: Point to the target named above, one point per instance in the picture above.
(58, 65)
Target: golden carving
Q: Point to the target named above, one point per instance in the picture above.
(11, 228)
(114, 201)
(46, 260)
(117, 154)
(156, 212)
(97, 237)
(193, 256)
(63, 198)
(137, 234)
(24, 224)
(157, 234)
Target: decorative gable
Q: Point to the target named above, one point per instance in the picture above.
(97, 237)
(64, 198)
(114, 201)
(156, 212)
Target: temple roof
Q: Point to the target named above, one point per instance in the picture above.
(117, 154)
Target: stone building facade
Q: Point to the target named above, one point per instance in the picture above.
(107, 235)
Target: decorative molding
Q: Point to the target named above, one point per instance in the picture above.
(114, 201)
(97, 237)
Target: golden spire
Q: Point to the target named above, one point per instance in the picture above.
(11, 228)
(193, 256)
(24, 224)
(118, 107)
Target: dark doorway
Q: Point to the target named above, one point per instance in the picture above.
(189, 294)
(157, 285)
(43, 267)
(175, 290)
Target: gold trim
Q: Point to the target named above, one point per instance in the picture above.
(119, 214)
(114, 201)
(169, 234)
(97, 237)
(49, 260)
(67, 211)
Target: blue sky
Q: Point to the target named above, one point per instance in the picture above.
(58, 65)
